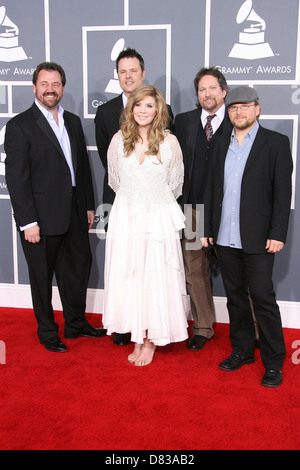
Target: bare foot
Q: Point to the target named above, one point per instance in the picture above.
(135, 354)
(146, 356)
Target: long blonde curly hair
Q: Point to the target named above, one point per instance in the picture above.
(130, 128)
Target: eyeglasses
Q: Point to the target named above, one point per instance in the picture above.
(242, 107)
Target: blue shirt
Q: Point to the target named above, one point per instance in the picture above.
(236, 159)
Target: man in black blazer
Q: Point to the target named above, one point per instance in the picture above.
(50, 185)
(131, 73)
(211, 88)
(130, 67)
(247, 207)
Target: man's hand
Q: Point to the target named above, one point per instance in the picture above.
(273, 246)
(207, 241)
(32, 234)
(91, 218)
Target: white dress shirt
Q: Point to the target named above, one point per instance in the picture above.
(62, 136)
(216, 121)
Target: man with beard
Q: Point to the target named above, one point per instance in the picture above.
(49, 180)
(247, 207)
(196, 131)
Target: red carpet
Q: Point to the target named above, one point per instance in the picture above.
(91, 398)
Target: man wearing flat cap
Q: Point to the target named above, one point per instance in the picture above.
(247, 207)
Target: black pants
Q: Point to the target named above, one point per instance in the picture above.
(252, 273)
(69, 257)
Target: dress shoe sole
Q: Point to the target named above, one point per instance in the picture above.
(83, 336)
(266, 384)
(56, 350)
(121, 343)
(272, 382)
(79, 335)
(198, 347)
(243, 363)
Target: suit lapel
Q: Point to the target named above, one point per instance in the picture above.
(72, 138)
(192, 134)
(119, 102)
(41, 121)
(119, 110)
(256, 148)
(225, 142)
(254, 152)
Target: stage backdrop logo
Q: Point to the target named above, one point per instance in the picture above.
(3, 186)
(22, 39)
(10, 51)
(99, 64)
(259, 40)
(251, 43)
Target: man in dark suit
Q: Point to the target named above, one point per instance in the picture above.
(49, 181)
(247, 207)
(196, 133)
(131, 73)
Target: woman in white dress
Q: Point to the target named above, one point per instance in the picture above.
(145, 290)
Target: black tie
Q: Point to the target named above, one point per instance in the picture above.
(208, 127)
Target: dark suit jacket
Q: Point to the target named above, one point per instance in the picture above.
(265, 192)
(187, 126)
(38, 176)
(107, 124)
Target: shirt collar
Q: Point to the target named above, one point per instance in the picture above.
(125, 99)
(220, 113)
(47, 113)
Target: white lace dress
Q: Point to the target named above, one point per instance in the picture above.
(145, 290)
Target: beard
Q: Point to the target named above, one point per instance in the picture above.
(49, 100)
(209, 104)
(242, 124)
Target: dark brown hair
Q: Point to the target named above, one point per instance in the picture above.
(49, 66)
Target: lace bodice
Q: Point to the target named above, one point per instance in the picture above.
(151, 179)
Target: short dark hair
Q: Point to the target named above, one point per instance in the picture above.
(130, 53)
(50, 67)
(215, 72)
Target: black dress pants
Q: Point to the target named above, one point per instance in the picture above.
(252, 273)
(68, 256)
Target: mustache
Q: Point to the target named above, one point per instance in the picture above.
(49, 93)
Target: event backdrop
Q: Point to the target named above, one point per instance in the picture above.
(252, 42)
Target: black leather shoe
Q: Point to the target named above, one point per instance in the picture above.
(88, 331)
(197, 342)
(236, 361)
(272, 378)
(121, 339)
(54, 345)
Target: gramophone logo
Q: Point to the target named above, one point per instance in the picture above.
(10, 51)
(113, 84)
(251, 43)
(2, 155)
